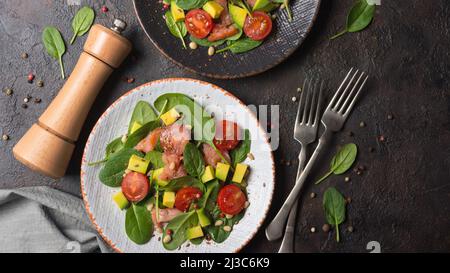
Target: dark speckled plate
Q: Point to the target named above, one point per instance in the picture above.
(283, 41)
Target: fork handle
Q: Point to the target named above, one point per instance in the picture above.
(287, 245)
(275, 228)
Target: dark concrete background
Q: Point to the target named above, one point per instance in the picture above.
(402, 200)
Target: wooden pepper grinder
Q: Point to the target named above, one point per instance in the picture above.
(48, 145)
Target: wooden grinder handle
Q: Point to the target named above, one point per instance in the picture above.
(47, 147)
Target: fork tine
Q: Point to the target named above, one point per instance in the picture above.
(307, 103)
(313, 102)
(350, 94)
(349, 108)
(300, 105)
(345, 94)
(339, 89)
(319, 105)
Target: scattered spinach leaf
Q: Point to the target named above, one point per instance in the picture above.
(208, 200)
(239, 154)
(140, 133)
(190, 4)
(179, 226)
(181, 182)
(334, 207)
(112, 172)
(155, 158)
(177, 29)
(359, 18)
(342, 161)
(113, 147)
(142, 114)
(217, 233)
(82, 22)
(54, 44)
(240, 46)
(205, 42)
(138, 223)
(193, 160)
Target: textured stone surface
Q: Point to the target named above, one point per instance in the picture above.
(401, 201)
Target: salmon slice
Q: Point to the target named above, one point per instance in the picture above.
(211, 157)
(165, 215)
(224, 28)
(149, 142)
(174, 138)
(173, 167)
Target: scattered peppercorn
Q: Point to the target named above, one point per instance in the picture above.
(350, 133)
(40, 83)
(390, 117)
(26, 100)
(350, 229)
(105, 9)
(381, 138)
(299, 89)
(326, 228)
(30, 78)
(313, 229)
(361, 167)
(362, 124)
(130, 80)
(347, 179)
(294, 99)
(5, 137)
(24, 55)
(169, 231)
(288, 163)
(312, 195)
(24, 106)
(8, 91)
(348, 200)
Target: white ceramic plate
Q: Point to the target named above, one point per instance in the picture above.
(110, 221)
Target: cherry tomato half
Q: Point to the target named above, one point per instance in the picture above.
(198, 23)
(135, 186)
(227, 135)
(185, 196)
(231, 199)
(258, 26)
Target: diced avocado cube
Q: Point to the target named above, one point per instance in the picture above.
(213, 8)
(120, 200)
(136, 125)
(194, 232)
(239, 173)
(177, 12)
(259, 4)
(222, 170)
(169, 199)
(203, 219)
(208, 175)
(155, 176)
(138, 164)
(170, 116)
(237, 14)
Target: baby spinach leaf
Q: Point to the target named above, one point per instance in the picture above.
(205, 42)
(112, 172)
(82, 22)
(113, 147)
(208, 200)
(177, 29)
(181, 182)
(54, 44)
(140, 133)
(359, 18)
(237, 35)
(155, 158)
(142, 114)
(217, 233)
(342, 161)
(240, 46)
(334, 207)
(179, 226)
(138, 223)
(193, 160)
(190, 4)
(239, 154)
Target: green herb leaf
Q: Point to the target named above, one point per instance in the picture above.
(217, 233)
(359, 18)
(342, 161)
(112, 172)
(54, 44)
(334, 207)
(140, 133)
(239, 154)
(179, 226)
(142, 114)
(155, 158)
(177, 29)
(208, 200)
(138, 223)
(205, 42)
(82, 22)
(190, 4)
(193, 160)
(181, 182)
(240, 46)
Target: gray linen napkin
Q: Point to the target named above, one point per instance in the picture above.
(43, 219)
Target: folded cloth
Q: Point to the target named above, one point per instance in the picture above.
(43, 219)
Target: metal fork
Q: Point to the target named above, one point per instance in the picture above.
(305, 132)
(333, 119)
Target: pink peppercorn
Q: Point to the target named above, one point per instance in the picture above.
(105, 9)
